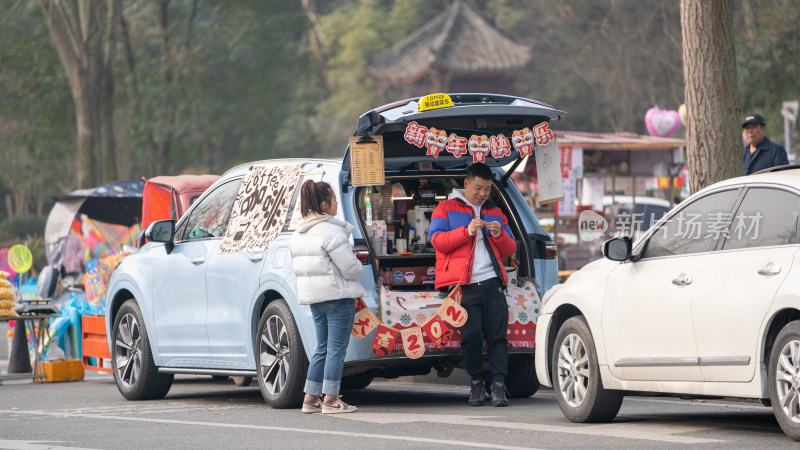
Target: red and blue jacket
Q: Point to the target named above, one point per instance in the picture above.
(450, 237)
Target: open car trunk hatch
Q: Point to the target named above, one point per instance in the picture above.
(471, 114)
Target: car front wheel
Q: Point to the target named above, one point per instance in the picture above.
(282, 362)
(135, 373)
(576, 376)
(784, 379)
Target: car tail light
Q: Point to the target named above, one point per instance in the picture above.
(550, 250)
(362, 253)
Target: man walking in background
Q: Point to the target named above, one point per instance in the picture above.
(760, 153)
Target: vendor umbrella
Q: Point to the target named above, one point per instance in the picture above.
(118, 202)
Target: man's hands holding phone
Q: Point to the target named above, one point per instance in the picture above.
(476, 224)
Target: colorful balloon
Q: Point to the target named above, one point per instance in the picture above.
(20, 258)
(662, 123)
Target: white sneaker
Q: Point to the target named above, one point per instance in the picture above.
(338, 408)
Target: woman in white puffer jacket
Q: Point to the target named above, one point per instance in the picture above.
(327, 279)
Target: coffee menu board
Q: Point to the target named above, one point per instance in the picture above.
(366, 160)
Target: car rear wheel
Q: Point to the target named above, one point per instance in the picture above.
(784, 379)
(521, 381)
(135, 373)
(282, 362)
(576, 376)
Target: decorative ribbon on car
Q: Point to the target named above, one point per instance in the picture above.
(435, 141)
(437, 329)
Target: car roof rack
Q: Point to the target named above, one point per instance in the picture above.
(779, 168)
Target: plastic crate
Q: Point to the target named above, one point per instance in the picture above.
(68, 370)
(95, 344)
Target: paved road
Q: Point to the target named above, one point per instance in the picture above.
(201, 413)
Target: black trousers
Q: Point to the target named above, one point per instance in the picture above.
(487, 319)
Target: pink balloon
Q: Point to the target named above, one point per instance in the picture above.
(662, 123)
(12, 323)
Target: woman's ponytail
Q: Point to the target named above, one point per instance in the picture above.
(312, 194)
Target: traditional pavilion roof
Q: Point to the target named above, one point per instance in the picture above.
(457, 41)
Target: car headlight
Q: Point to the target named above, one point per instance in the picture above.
(549, 294)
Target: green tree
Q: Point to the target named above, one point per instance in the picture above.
(768, 59)
(37, 125)
(83, 32)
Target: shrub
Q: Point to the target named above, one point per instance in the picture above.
(22, 226)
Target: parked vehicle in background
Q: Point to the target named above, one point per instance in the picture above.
(648, 211)
(169, 197)
(705, 304)
(179, 305)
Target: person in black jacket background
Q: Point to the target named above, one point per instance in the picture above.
(761, 153)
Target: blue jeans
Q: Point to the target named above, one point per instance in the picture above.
(333, 321)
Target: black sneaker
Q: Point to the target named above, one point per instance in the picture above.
(477, 393)
(499, 394)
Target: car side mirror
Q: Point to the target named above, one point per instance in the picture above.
(618, 249)
(162, 231)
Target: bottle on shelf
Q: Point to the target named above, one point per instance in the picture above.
(368, 214)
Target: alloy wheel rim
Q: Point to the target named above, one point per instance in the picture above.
(787, 380)
(128, 351)
(274, 353)
(573, 370)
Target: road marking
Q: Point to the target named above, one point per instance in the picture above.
(629, 430)
(272, 428)
(32, 445)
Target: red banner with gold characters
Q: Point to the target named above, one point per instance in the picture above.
(438, 331)
(384, 339)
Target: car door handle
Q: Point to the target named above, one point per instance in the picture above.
(255, 256)
(199, 260)
(769, 270)
(682, 280)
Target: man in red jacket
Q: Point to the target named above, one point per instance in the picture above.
(471, 236)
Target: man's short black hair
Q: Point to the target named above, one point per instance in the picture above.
(479, 170)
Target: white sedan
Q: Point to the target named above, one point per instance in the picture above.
(705, 304)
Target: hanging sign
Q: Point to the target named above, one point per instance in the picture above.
(478, 148)
(435, 141)
(260, 208)
(543, 134)
(364, 323)
(499, 146)
(523, 141)
(366, 160)
(548, 169)
(438, 331)
(412, 342)
(384, 340)
(453, 313)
